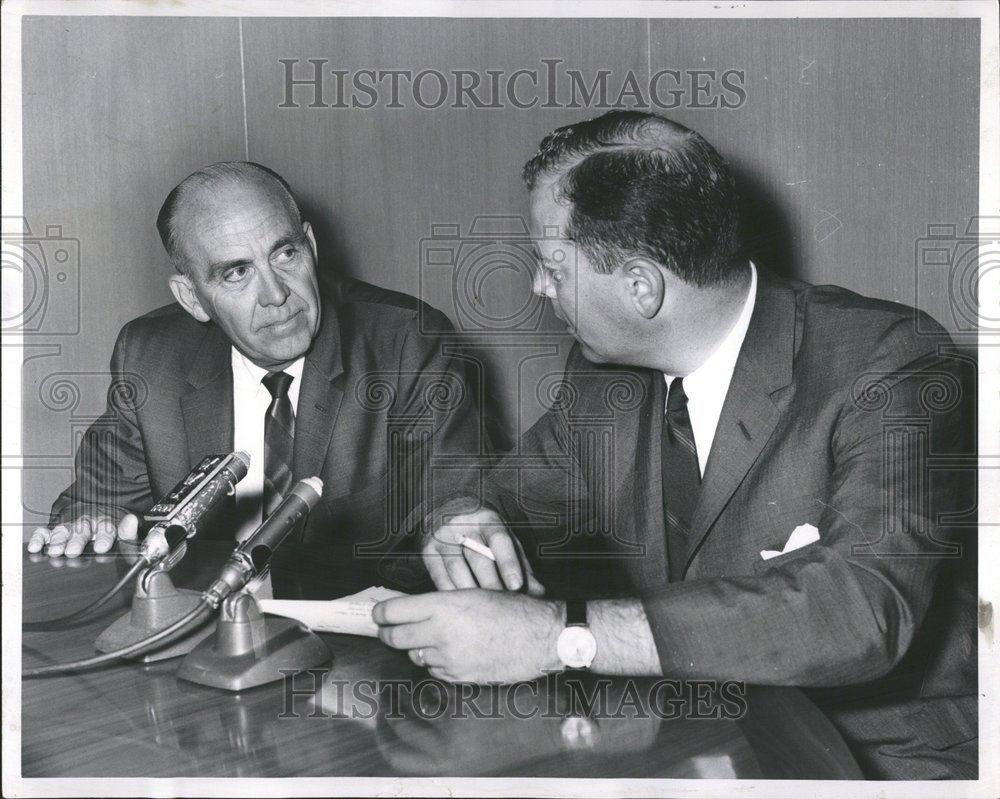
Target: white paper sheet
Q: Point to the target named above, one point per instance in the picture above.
(350, 614)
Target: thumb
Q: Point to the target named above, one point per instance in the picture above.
(128, 527)
(534, 587)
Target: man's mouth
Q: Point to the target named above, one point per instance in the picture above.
(281, 324)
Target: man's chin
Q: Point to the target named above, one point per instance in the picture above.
(289, 352)
(590, 354)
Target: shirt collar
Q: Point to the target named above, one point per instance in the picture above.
(248, 373)
(717, 370)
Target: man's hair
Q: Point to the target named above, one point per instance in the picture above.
(237, 173)
(639, 185)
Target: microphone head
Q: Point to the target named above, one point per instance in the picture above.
(240, 464)
(176, 533)
(309, 490)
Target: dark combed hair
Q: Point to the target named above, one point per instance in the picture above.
(235, 172)
(639, 185)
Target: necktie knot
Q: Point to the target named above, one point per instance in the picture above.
(676, 398)
(277, 384)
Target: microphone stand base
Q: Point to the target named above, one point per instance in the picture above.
(250, 649)
(156, 604)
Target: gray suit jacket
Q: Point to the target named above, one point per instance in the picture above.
(380, 398)
(838, 415)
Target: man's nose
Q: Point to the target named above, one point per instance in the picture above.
(541, 284)
(273, 290)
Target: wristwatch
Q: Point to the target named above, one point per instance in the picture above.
(576, 646)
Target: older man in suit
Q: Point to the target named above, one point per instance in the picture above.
(351, 384)
(737, 473)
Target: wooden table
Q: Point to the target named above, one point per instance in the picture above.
(370, 712)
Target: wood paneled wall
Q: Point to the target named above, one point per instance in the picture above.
(854, 136)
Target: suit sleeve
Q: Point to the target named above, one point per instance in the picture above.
(110, 473)
(845, 609)
(538, 488)
(529, 487)
(436, 440)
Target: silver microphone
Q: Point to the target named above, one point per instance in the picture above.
(176, 515)
(252, 556)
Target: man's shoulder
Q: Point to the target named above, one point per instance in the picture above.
(168, 318)
(168, 332)
(836, 320)
(376, 311)
(833, 301)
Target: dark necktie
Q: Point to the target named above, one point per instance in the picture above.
(279, 440)
(681, 477)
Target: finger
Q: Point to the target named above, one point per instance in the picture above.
(79, 536)
(128, 527)
(485, 570)
(405, 609)
(39, 538)
(439, 673)
(406, 636)
(437, 571)
(104, 534)
(535, 588)
(57, 540)
(426, 657)
(458, 571)
(508, 562)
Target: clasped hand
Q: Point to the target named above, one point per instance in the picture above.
(471, 630)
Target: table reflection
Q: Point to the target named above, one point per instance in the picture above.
(370, 712)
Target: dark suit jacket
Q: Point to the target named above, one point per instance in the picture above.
(838, 415)
(379, 398)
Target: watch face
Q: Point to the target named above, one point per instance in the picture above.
(576, 647)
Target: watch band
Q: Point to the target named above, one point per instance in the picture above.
(576, 613)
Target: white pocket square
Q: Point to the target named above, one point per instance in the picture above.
(801, 535)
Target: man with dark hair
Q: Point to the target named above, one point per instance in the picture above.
(254, 357)
(735, 475)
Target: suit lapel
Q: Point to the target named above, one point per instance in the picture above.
(750, 412)
(319, 397)
(208, 409)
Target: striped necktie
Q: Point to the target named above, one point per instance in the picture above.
(681, 478)
(279, 439)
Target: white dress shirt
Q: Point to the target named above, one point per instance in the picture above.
(706, 387)
(250, 401)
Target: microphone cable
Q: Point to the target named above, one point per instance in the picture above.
(174, 534)
(194, 615)
(175, 517)
(66, 621)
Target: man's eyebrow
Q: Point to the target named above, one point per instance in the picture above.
(288, 238)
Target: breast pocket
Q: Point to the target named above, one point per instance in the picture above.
(807, 552)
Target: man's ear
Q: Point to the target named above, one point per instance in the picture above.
(645, 286)
(184, 293)
(307, 229)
